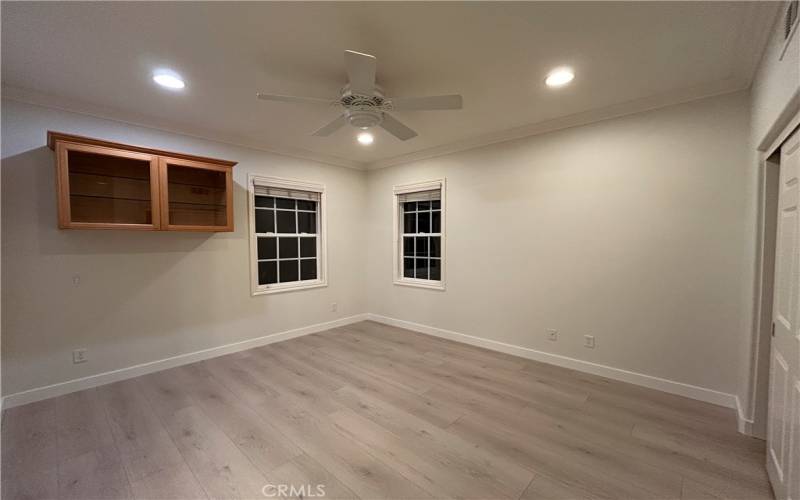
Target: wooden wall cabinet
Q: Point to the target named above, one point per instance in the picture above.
(107, 185)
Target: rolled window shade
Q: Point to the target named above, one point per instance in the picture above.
(277, 192)
(434, 194)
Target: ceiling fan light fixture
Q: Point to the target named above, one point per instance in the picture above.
(365, 106)
(559, 77)
(365, 138)
(168, 79)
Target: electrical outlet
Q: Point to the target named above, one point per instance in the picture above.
(79, 356)
(552, 335)
(334, 307)
(588, 341)
(76, 279)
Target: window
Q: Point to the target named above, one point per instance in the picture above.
(287, 237)
(419, 228)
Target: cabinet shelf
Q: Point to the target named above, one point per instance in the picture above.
(140, 179)
(76, 171)
(108, 185)
(146, 200)
(197, 204)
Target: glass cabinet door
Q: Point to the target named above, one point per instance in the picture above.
(195, 196)
(106, 188)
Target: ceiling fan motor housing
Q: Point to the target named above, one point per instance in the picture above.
(363, 111)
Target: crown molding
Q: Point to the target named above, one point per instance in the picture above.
(681, 96)
(749, 46)
(731, 85)
(36, 98)
(753, 37)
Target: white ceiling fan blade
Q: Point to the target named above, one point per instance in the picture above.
(331, 127)
(396, 128)
(291, 98)
(361, 72)
(434, 102)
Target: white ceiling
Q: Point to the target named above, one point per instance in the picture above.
(98, 57)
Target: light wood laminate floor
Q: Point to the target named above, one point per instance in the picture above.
(372, 411)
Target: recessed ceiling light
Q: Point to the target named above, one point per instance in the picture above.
(169, 79)
(559, 77)
(365, 138)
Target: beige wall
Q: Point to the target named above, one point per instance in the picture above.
(146, 296)
(630, 230)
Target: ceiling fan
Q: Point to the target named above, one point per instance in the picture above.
(365, 105)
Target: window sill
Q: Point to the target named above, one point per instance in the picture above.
(430, 285)
(292, 288)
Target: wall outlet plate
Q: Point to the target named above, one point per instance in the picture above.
(588, 341)
(552, 334)
(79, 356)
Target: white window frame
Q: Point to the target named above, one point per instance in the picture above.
(399, 279)
(322, 246)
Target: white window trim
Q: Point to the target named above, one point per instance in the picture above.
(399, 279)
(322, 217)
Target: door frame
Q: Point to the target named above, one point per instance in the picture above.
(753, 411)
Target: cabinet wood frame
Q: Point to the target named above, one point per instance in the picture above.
(163, 166)
(64, 194)
(158, 160)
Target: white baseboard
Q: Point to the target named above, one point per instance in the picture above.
(670, 386)
(79, 384)
(661, 384)
(745, 425)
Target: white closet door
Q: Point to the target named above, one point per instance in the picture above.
(783, 431)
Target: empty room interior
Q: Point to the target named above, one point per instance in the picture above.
(400, 250)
